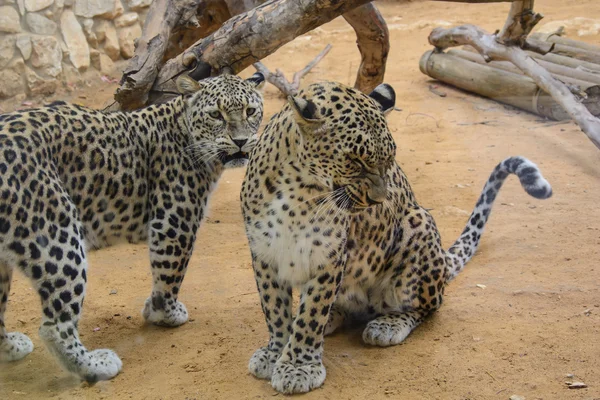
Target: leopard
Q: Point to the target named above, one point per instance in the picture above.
(74, 179)
(329, 212)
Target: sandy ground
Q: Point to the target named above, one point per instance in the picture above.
(536, 320)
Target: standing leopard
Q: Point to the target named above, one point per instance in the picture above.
(328, 210)
(73, 179)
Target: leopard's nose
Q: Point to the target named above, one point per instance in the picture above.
(377, 192)
(240, 142)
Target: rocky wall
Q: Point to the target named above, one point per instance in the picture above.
(48, 44)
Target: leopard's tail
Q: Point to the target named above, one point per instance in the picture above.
(532, 181)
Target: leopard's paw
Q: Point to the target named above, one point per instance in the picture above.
(170, 315)
(289, 378)
(262, 363)
(14, 346)
(383, 333)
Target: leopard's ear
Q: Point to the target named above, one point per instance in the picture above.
(258, 80)
(385, 95)
(305, 110)
(187, 85)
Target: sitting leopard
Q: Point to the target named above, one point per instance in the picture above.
(328, 210)
(73, 179)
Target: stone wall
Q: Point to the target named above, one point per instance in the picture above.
(47, 44)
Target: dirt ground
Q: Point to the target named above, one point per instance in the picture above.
(535, 320)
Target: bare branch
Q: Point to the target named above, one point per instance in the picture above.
(279, 80)
(300, 74)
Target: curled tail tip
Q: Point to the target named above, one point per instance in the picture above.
(530, 176)
(542, 190)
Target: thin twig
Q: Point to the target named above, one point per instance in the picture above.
(300, 74)
(279, 80)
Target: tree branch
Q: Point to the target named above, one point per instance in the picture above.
(249, 37)
(373, 40)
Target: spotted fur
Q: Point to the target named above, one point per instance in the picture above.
(74, 179)
(328, 210)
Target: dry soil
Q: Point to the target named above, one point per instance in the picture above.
(523, 315)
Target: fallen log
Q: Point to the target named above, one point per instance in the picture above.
(508, 66)
(569, 51)
(506, 87)
(507, 45)
(555, 69)
(566, 61)
(556, 38)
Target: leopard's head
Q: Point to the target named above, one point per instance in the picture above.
(223, 115)
(346, 143)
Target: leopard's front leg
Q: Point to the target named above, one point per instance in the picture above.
(172, 233)
(300, 367)
(276, 302)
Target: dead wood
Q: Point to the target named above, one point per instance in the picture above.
(503, 46)
(138, 77)
(279, 80)
(373, 40)
(248, 38)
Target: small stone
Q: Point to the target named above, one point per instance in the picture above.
(7, 49)
(9, 20)
(71, 76)
(92, 8)
(46, 55)
(114, 291)
(126, 20)
(111, 43)
(516, 397)
(480, 286)
(88, 30)
(21, 5)
(37, 5)
(136, 5)
(24, 45)
(100, 28)
(79, 52)
(569, 376)
(39, 24)
(127, 37)
(11, 84)
(38, 85)
(102, 62)
(576, 385)
(116, 11)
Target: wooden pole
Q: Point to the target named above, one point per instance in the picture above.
(503, 86)
(553, 38)
(556, 69)
(502, 47)
(569, 51)
(566, 61)
(510, 67)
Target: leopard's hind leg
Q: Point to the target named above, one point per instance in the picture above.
(47, 244)
(13, 345)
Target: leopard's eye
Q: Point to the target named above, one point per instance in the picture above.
(216, 114)
(250, 111)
